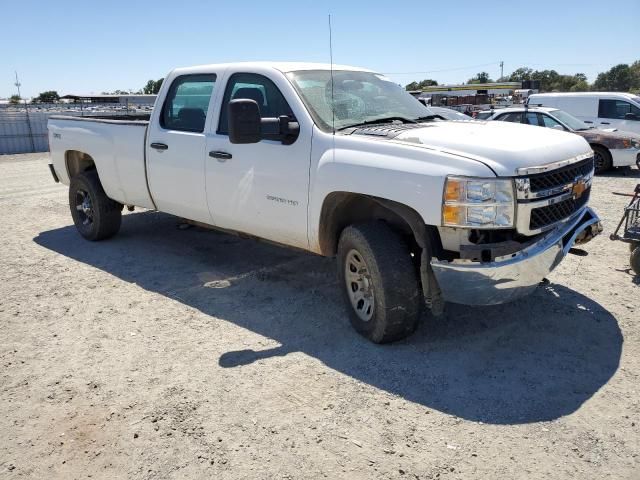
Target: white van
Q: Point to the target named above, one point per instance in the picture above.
(601, 109)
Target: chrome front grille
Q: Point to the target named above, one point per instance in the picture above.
(548, 197)
(556, 178)
(543, 217)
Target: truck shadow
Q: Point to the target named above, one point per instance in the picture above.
(534, 360)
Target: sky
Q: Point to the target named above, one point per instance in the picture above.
(91, 47)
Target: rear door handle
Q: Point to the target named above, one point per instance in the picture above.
(159, 146)
(222, 156)
(605, 123)
(588, 121)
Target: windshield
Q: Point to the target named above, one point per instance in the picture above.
(357, 97)
(569, 120)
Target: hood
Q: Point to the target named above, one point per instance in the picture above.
(502, 146)
(610, 139)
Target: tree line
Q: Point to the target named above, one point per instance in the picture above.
(621, 78)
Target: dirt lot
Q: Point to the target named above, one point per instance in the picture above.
(169, 353)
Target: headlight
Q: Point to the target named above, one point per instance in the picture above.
(478, 203)
(630, 143)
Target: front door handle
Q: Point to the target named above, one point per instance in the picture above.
(159, 146)
(605, 123)
(588, 121)
(222, 156)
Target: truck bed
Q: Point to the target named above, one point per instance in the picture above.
(115, 144)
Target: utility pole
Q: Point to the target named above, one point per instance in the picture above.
(17, 84)
(26, 112)
(501, 69)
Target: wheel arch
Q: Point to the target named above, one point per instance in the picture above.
(340, 209)
(77, 162)
(600, 145)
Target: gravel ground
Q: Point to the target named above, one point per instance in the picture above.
(169, 353)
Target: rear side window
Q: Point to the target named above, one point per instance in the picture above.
(616, 109)
(187, 102)
(253, 87)
(531, 118)
(515, 117)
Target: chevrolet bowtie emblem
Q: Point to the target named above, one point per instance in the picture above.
(578, 188)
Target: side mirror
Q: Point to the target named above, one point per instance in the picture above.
(630, 116)
(558, 127)
(246, 125)
(244, 121)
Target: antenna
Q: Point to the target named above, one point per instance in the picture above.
(333, 105)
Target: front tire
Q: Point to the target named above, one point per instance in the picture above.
(602, 159)
(94, 214)
(379, 282)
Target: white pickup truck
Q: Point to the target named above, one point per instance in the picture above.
(340, 161)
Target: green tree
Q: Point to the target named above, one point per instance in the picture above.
(635, 76)
(50, 96)
(482, 77)
(421, 85)
(14, 99)
(152, 87)
(618, 79)
(550, 80)
(520, 74)
(580, 86)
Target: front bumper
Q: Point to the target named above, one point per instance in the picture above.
(625, 157)
(516, 275)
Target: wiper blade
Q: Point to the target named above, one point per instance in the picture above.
(380, 120)
(429, 117)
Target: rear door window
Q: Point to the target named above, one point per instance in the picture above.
(187, 103)
(616, 109)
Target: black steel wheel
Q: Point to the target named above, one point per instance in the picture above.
(601, 158)
(379, 282)
(94, 214)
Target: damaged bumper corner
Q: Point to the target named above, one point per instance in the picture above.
(515, 275)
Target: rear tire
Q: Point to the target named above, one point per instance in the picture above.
(379, 282)
(94, 214)
(601, 158)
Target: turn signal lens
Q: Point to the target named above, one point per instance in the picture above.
(454, 191)
(451, 214)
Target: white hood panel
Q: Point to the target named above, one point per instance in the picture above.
(502, 146)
